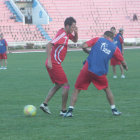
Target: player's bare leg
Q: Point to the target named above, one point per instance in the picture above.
(122, 71)
(110, 99)
(114, 71)
(5, 62)
(72, 103)
(52, 92)
(109, 95)
(74, 97)
(65, 96)
(1, 62)
(44, 106)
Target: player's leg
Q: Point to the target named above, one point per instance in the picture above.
(58, 77)
(113, 63)
(110, 99)
(1, 61)
(122, 71)
(72, 102)
(109, 95)
(65, 91)
(5, 61)
(74, 97)
(44, 105)
(82, 83)
(52, 92)
(101, 82)
(114, 71)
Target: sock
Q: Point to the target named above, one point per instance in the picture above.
(113, 107)
(71, 107)
(45, 104)
(64, 111)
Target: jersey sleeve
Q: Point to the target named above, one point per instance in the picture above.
(91, 42)
(118, 55)
(121, 40)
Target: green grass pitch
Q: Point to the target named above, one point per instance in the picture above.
(26, 81)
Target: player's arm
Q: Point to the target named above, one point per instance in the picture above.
(88, 44)
(75, 37)
(122, 48)
(120, 58)
(84, 46)
(48, 49)
(6, 46)
(6, 49)
(122, 43)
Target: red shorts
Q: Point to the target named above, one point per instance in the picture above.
(86, 77)
(114, 62)
(57, 74)
(3, 56)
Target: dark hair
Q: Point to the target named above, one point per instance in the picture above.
(113, 28)
(109, 34)
(69, 21)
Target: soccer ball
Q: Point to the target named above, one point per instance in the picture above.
(30, 110)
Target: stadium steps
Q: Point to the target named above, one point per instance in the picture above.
(43, 32)
(12, 10)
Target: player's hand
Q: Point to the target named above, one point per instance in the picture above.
(49, 64)
(125, 67)
(124, 64)
(76, 30)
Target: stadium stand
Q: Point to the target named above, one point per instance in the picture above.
(17, 31)
(93, 18)
(43, 32)
(17, 18)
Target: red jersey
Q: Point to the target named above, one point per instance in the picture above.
(60, 44)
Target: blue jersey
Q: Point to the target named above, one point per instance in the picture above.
(117, 41)
(3, 45)
(101, 52)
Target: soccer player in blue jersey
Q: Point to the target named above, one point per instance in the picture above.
(3, 52)
(119, 42)
(96, 68)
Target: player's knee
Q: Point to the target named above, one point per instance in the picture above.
(66, 86)
(57, 86)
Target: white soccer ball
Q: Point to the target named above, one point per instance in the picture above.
(30, 110)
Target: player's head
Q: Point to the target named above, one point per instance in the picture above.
(121, 31)
(1, 35)
(113, 30)
(70, 24)
(109, 35)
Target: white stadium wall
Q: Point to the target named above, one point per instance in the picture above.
(39, 15)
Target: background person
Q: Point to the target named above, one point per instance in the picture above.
(3, 52)
(119, 42)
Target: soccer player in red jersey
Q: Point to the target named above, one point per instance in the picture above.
(96, 68)
(56, 52)
(3, 52)
(119, 42)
